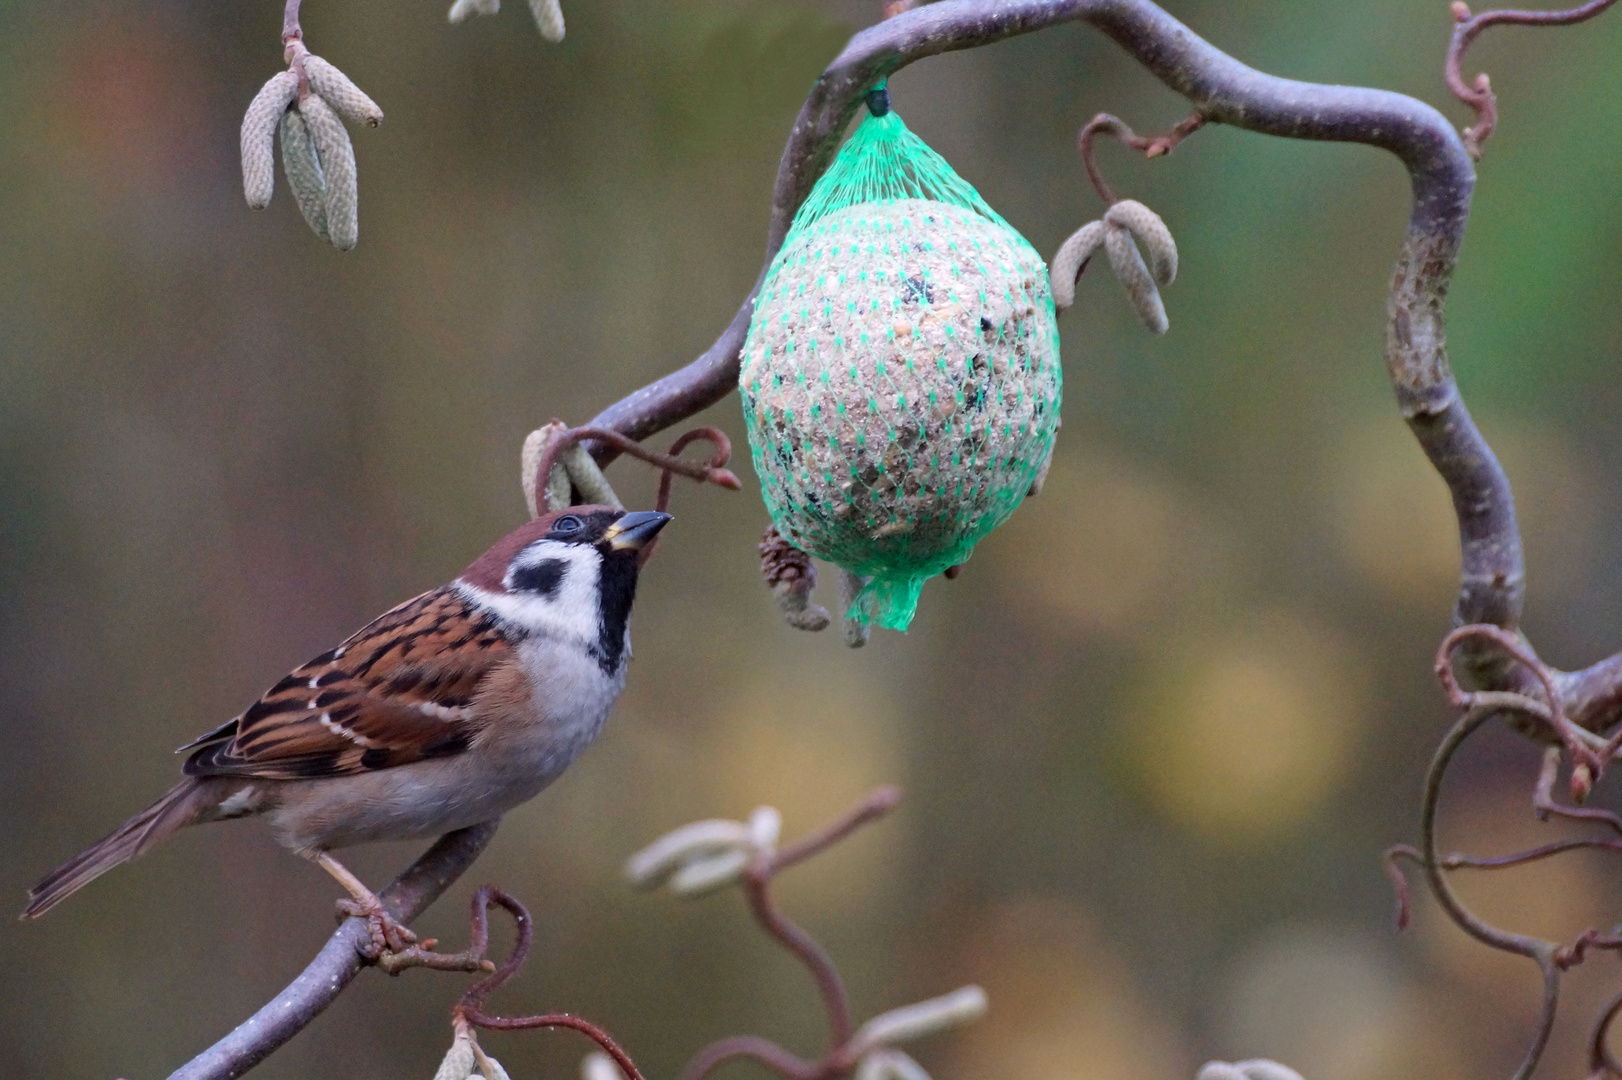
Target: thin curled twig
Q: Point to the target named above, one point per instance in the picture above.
(471, 1008)
(1600, 1059)
(710, 472)
(754, 1048)
(1544, 804)
(1466, 29)
(1589, 764)
(1551, 958)
(716, 475)
(843, 1049)
(1543, 953)
(1152, 146)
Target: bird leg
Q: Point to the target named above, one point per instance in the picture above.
(393, 946)
(387, 934)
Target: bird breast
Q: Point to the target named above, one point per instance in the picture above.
(569, 697)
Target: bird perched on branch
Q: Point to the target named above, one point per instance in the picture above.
(447, 711)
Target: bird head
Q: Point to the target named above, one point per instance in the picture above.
(571, 572)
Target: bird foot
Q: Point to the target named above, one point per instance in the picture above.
(394, 947)
(385, 933)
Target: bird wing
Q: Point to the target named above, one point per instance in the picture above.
(400, 690)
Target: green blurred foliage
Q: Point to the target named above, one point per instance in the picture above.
(1154, 739)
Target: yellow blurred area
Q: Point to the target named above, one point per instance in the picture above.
(1392, 516)
(1394, 521)
(1243, 733)
(1064, 1004)
(1106, 547)
(812, 738)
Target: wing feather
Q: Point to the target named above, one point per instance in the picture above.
(400, 690)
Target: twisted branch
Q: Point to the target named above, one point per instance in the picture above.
(1223, 90)
(471, 1008)
(839, 1058)
(1150, 146)
(1479, 707)
(1465, 31)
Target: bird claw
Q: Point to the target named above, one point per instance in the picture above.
(385, 934)
(393, 947)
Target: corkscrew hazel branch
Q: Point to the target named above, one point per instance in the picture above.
(1589, 763)
(557, 445)
(715, 474)
(1600, 1059)
(705, 855)
(1152, 146)
(1466, 29)
(465, 1055)
(554, 467)
(1543, 953)
(1549, 720)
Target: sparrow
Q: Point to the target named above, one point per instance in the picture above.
(447, 711)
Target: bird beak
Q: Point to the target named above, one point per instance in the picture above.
(635, 530)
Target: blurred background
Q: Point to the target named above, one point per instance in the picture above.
(1153, 740)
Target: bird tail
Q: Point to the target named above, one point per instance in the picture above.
(185, 803)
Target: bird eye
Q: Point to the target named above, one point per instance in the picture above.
(568, 524)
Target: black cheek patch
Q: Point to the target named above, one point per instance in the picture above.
(542, 579)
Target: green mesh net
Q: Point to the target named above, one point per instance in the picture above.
(901, 378)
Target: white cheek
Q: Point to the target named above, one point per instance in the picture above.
(571, 610)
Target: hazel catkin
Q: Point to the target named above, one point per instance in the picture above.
(336, 154)
(303, 171)
(258, 129)
(338, 90)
